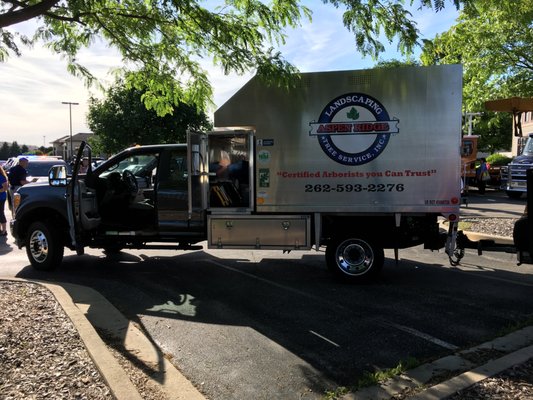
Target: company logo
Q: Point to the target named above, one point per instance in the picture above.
(354, 129)
(263, 156)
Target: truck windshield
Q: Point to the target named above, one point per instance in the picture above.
(528, 148)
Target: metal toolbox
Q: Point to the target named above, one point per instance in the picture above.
(282, 232)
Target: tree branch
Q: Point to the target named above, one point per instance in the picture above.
(26, 13)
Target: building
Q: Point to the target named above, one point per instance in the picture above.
(62, 145)
(526, 119)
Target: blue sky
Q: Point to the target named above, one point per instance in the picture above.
(33, 86)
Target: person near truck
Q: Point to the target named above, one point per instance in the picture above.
(482, 176)
(3, 198)
(84, 166)
(18, 174)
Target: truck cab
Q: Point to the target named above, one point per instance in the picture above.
(142, 196)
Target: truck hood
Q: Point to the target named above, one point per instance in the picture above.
(523, 159)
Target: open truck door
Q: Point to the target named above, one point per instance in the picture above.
(82, 206)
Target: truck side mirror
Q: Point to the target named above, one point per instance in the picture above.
(57, 176)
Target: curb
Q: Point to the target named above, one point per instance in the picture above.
(87, 309)
(518, 347)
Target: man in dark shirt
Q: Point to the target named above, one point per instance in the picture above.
(18, 174)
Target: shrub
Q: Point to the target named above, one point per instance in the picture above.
(497, 159)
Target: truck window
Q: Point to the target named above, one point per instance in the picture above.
(174, 174)
(229, 170)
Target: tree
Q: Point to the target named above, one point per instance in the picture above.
(14, 149)
(494, 130)
(122, 120)
(161, 42)
(408, 62)
(44, 150)
(24, 149)
(4, 151)
(493, 41)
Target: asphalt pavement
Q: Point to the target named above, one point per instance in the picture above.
(87, 309)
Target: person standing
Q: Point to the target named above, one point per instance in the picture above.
(84, 166)
(482, 176)
(18, 174)
(3, 198)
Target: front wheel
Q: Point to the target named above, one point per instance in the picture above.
(43, 246)
(354, 259)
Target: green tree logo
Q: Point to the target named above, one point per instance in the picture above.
(353, 114)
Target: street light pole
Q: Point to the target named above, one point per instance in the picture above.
(70, 104)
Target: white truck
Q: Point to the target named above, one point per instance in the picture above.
(357, 161)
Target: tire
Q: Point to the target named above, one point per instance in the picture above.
(43, 246)
(354, 259)
(514, 195)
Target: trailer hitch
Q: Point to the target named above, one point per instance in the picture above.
(453, 246)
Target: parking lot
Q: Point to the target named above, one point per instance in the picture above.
(263, 324)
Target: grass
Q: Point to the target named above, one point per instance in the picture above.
(373, 378)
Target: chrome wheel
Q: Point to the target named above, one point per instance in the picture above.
(354, 256)
(38, 246)
(354, 259)
(44, 246)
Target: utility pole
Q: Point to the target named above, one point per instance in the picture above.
(70, 104)
(470, 116)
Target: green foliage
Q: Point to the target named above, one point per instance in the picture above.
(497, 159)
(394, 63)
(493, 41)
(121, 120)
(494, 130)
(373, 378)
(161, 42)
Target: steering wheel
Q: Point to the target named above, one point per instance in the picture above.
(130, 181)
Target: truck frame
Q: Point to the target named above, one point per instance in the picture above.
(357, 161)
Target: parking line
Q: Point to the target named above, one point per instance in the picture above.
(382, 321)
(422, 335)
(325, 338)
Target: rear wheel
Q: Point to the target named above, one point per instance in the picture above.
(354, 259)
(43, 246)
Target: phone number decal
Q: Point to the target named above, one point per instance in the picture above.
(371, 187)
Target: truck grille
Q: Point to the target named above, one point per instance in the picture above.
(516, 176)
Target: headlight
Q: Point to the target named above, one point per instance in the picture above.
(16, 202)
